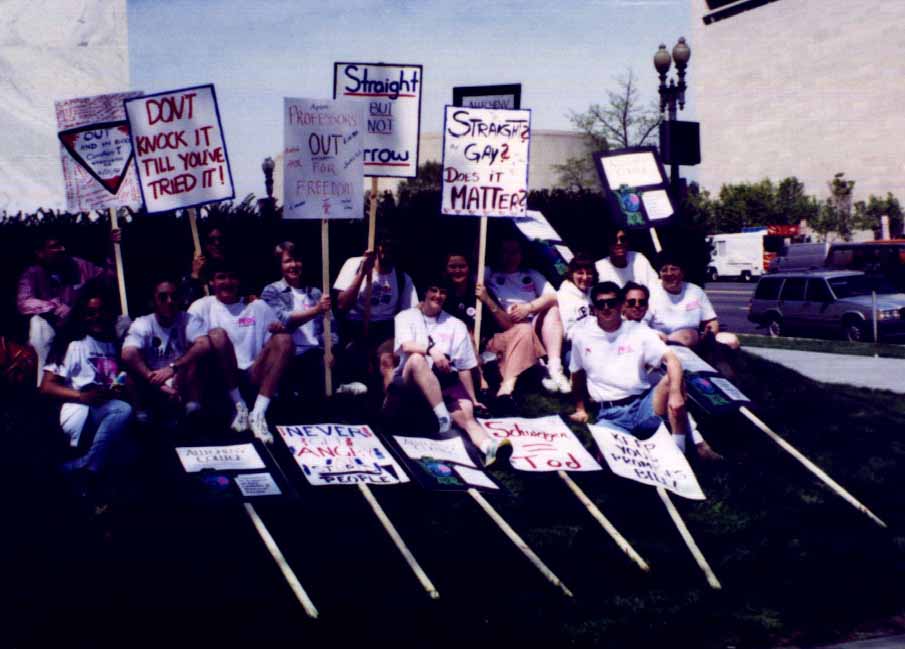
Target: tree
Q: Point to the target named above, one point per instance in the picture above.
(835, 213)
(867, 215)
(622, 122)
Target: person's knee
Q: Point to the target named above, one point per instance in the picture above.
(218, 338)
(118, 409)
(728, 339)
(203, 343)
(388, 361)
(415, 363)
(282, 344)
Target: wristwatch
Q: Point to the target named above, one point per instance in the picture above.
(173, 367)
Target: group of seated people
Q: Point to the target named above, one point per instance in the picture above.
(609, 322)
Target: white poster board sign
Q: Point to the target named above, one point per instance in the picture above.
(323, 172)
(235, 457)
(541, 444)
(485, 161)
(690, 361)
(331, 454)
(257, 484)
(450, 450)
(655, 461)
(633, 170)
(180, 153)
(96, 152)
(390, 94)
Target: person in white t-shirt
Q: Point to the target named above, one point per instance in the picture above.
(301, 309)
(158, 356)
(527, 297)
(436, 355)
(391, 291)
(624, 265)
(574, 294)
(246, 337)
(85, 376)
(609, 363)
(635, 301)
(681, 309)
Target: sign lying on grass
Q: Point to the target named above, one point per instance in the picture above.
(541, 444)
(179, 149)
(655, 461)
(485, 161)
(391, 96)
(96, 152)
(234, 457)
(635, 185)
(443, 464)
(322, 159)
(330, 454)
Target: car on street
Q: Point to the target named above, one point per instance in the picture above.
(828, 303)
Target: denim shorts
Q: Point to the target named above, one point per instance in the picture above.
(629, 416)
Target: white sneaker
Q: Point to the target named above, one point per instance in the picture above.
(240, 421)
(563, 383)
(549, 384)
(355, 388)
(259, 427)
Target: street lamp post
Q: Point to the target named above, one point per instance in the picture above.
(267, 167)
(672, 96)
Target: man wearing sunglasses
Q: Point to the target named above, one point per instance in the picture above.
(609, 363)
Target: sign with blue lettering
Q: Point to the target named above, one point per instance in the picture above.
(485, 161)
(635, 185)
(391, 96)
(341, 454)
(505, 96)
(322, 159)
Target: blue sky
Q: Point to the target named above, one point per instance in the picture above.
(258, 52)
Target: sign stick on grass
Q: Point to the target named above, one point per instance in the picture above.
(810, 466)
(624, 545)
(118, 260)
(281, 562)
(372, 236)
(325, 282)
(689, 540)
(397, 540)
(518, 541)
(482, 253)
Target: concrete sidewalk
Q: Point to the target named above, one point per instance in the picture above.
(860, 371)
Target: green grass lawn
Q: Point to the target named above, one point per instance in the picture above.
(883, 350)
(797, 564)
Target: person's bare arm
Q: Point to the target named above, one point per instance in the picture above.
(676, 400)
(53, 387)
(347, 297)
(579, 395)
(297, 318)
(499, 315)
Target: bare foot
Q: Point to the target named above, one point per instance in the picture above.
(708, 454)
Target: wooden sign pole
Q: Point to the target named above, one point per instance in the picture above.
(712, 581)
(372, 236)
(397, 540)
(325, 282)
(482, 253)
(118, 260)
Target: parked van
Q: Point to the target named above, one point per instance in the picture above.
(800, 256)
(879, 258)
(740, 254)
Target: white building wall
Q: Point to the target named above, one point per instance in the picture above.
(50, 50)
(802, 88)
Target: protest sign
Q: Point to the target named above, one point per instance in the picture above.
(96, 152)
(219, 458)
(635, 185)
(443, 464)
(257, 484)
(485, 161)
(322, 159)
(655, 461)
(391, 96)
(505, 96)
(180, 153)
(541, 444)
(330, 454)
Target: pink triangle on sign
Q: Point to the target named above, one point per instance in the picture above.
(104, 150)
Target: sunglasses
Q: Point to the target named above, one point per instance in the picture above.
(634, 302)
(611, 303)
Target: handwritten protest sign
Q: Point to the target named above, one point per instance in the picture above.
(391, 96)
(541, 444)
(485, 161)
(322, 159)
(180, 153)
(257, 484)
(96, 152)
(330, 454)
(635, 186)
(219, 458)
(655, 461)
(443, 464)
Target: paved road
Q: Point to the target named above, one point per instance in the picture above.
(730, 299)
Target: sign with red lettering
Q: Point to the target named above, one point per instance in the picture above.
(180, 153)
(655, 461)
(96, 152)
(541, 444)
(390, 94)
(341, 454)
(485, 161)
(322, 159)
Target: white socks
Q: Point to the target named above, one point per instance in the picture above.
(443, 417)
(261, 404)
